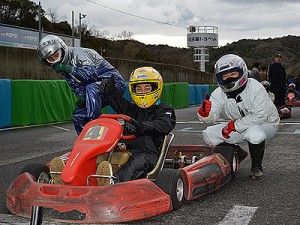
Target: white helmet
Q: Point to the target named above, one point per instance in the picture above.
(231, 63)
(48, 46)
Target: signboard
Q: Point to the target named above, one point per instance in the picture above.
(26, 38)
(202, 39)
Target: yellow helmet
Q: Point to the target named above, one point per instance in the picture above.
(146, 75)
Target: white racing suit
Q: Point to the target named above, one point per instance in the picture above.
(256, 117)
(89, 70)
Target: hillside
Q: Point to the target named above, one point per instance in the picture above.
(261, 50)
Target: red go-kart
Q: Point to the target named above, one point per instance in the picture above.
(183, 172)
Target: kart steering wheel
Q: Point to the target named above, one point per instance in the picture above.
(128, 119)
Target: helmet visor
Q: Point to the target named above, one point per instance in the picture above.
(229, 76)
(55, 57)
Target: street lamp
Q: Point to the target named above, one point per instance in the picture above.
(81, 16)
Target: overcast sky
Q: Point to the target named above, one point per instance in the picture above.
(235, 19)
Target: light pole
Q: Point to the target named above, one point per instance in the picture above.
(81, 16)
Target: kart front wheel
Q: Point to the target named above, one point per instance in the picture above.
(171, 182)
(39, 171)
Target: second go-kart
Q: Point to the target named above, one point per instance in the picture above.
(183, 172)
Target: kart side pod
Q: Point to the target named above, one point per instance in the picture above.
(205, 176)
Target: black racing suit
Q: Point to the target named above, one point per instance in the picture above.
(156, 121)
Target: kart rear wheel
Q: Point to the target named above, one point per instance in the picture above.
(171, 182)
(39, 171)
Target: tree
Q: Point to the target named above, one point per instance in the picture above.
(19, 13)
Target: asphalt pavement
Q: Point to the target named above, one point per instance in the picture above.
(274, 200)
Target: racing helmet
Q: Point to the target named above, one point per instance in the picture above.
(292, 86)
(147, 75)
(50, 45)
(231, 63)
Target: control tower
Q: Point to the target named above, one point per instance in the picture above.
(200, 37)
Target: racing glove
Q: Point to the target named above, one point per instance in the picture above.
(63, 68)
(228, 129)
(108, 86)
(205, 107)
(129, 129)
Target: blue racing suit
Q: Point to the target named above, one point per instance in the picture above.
(89, 70)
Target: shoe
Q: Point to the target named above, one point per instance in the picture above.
(256, 173)
(104, 169)
(56, 167)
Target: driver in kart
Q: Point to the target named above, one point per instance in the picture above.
(156, 120)
(244, 101)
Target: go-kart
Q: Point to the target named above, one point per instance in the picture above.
(292, 100)
(183, 172)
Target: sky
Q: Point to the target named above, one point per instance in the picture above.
(166, 22)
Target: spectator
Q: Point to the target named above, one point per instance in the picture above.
(263, 73)
(255, 72)
(277, 77)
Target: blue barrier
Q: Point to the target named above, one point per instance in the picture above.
(201, 90)
(192, 94)
(6, 105)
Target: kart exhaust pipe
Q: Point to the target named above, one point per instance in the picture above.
(36, 215)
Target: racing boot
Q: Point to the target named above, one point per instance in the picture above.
(56, 167)
(104, 169)
(257, 154)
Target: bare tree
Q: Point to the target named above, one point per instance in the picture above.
(52, 15)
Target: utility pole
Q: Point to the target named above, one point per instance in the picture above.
(40, 23)
(73, 29)
(81, 16)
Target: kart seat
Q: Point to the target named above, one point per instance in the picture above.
(160, 162)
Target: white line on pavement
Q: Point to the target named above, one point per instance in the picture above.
(239, 215)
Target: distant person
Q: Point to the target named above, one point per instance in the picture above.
(263, 73)
(297, 82)
(83, 69)
(255, 72)
(277, 77)
(291, 80)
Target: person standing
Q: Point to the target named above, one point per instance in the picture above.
(255, 72)
(83, 69)
(277, 77)
(252, 115)
(263, 73)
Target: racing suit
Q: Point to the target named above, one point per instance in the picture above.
(256, 117)
(89, 69)
(156, 121)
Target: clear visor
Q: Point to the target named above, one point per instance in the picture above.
(56, 57)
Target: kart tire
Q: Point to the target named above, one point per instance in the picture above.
(171, 182)
(39, 171)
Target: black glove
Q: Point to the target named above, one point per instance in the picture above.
(129, 129)
(108, 86)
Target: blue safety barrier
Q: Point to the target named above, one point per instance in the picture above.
(192, 94)
(6, 105)
(201, 90)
